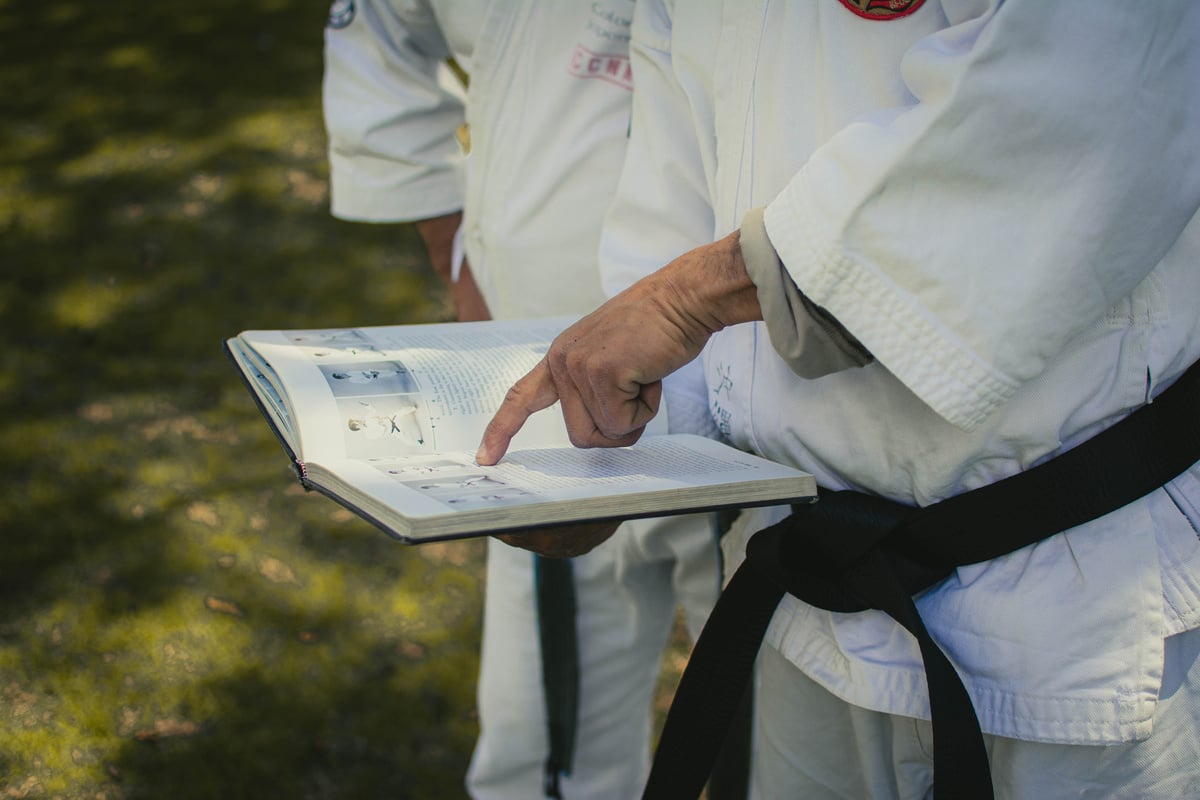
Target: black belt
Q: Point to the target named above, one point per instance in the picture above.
(558, 637)
(554, 581)
(850, 552)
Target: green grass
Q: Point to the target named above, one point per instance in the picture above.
(177, 618)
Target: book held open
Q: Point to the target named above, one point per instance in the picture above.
(386, 420)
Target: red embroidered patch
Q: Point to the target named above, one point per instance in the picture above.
(882, 9)
(611, 68)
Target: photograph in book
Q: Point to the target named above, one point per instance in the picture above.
(386, 420)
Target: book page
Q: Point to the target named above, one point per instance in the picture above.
(656, 462)
(264, 385)
(406, 390)
(586, 481)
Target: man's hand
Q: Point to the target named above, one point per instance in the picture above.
(567, 541)
(607, 369)
(469, 304)
(438, 235)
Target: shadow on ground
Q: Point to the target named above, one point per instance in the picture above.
(177, 619)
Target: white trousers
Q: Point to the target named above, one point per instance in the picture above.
(627, 593)
(809, 744)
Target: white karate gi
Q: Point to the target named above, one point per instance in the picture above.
(548, 108)
(999, 201)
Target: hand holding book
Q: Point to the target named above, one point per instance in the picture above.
(567, 541)
(385, 420)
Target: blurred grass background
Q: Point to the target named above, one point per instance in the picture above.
(177, 618)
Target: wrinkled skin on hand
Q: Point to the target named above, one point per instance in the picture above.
(606, 370)
(566, 541)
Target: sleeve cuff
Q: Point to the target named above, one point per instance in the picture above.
(370, 189)
(806, 336)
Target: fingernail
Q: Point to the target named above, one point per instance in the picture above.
(481, 455)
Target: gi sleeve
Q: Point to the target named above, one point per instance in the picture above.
(391, 122)
(662, 208)
(811, 341)
(1047, 164)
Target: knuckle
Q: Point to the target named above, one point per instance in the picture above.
(580, 439)
(575, 360)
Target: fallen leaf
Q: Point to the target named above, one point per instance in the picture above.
(222, 606)
(165, 729)
(204, 513)
(276, 571)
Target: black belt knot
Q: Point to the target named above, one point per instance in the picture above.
(851, 551)
(825, 552)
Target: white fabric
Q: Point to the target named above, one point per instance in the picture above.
(627, 591)
(999, 201)
(390, 116)
(548, 110)
(548, 106)
(818, 747)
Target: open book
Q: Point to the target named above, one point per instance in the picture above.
(386, 420)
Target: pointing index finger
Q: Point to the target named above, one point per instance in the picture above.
(530, 394)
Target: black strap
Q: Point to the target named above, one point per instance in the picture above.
(730, 778)
(730, 775)
(555, 583)
(852, 551)
(558, 636)
(707, 697)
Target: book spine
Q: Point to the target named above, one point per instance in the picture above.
(301, 472)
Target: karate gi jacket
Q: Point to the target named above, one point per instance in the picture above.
(392, 116)
(998, 200)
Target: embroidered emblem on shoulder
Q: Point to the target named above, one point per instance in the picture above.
(341, 13)
(882, 9)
